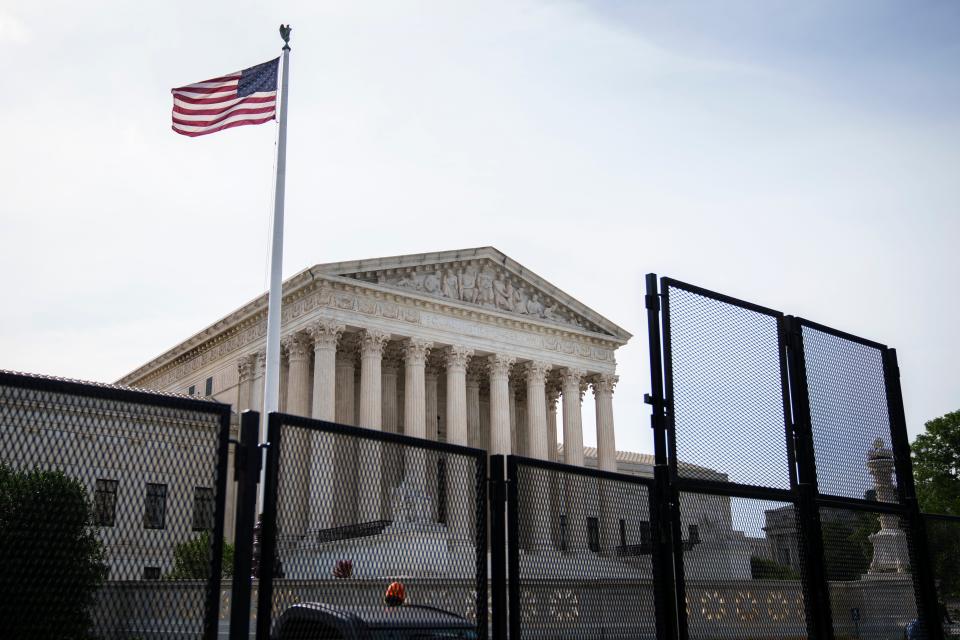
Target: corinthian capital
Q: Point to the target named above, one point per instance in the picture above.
(296, 345)
(415, 351)
(536, 372)
(373, 342)
(571, 377)
(247, 367)
(457, 357)
(325, 333)
(500, 364)
(604, 383)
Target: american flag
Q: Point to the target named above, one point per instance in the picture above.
(233, 100)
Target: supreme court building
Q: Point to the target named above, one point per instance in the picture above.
(468, 346)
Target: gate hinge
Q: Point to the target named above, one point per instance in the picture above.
(653, 301)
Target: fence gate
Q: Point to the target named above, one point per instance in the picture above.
(792, 510)
(347, 511)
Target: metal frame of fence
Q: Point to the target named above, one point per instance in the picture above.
(112, 393)
(276, 425)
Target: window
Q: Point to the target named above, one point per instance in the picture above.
(105, 502)
(623, 532)
(155, 506)
(192, 390)
(694, 534)
(208, 387)
(151, 573)
(563, 532)
(202, 509)
(645, 537)
(593, 534)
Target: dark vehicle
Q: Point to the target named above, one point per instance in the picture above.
(317, 621)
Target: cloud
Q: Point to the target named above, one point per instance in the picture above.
(13, 30)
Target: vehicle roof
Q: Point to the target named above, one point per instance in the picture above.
(381, 616)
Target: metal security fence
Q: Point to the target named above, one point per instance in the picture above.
(348, 511)
(790, 494)
(111, 511)
(943, 543)
(580, 552)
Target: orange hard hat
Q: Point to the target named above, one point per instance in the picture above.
(395, 594)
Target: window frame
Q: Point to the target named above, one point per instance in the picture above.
(102, 495)
(149, 508)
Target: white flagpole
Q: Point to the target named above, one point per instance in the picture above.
(271, 378)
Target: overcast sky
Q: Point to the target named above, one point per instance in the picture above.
(803, 155)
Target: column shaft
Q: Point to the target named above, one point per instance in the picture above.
(326, 335)
(500, 438)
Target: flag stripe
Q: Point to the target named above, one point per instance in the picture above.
(204, 131)
(241, 98)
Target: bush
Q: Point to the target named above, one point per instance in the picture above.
(51, 562)
(191, 559)
(766, 569)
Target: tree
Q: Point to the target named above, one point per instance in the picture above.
(936, 471)
(766, 569)
(51, 562)
(191, 559)
(936, 465)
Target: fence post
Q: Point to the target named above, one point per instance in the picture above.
(498, 546)
(920, 552)
(247, 473)
(816, 595)
(268, 524)
(664, 589)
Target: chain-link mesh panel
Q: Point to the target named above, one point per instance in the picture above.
(742, 566)
(584, 555)
(848, 415)
(867, 564)
(356, 513)
(943, 547)
(727, 390)
(106, 513)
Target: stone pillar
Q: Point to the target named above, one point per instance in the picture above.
(345, 450)
(577, 489)
(512, 400)
(552, 395)
(372, 344)
(606, 460)
(326, 335)
(433, 433)
(256, 389)
(536, 426)
(459, 494)
(500, 438)
(245, 371)
(392, 456)
(294, 483)
(413, 487)
(473, 411)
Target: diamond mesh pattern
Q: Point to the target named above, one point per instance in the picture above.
(727, 391)
(106, 510)
(742, 567)
(355, 513)
(585, 563)
(848, 414)
(943, 542)
(866, 556)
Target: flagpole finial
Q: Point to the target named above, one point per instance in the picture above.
(285, 34)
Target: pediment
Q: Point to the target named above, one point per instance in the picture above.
(483, 278)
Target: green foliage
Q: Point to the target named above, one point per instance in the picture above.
(51, 562)
(936, 465)
(766, 569)
(847, 549)
(191, 559)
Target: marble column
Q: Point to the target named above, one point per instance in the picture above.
(415, 425)
(245, 371)
(256, 389)
(433, 419)
(473, 411)
(372, 344)
(603, 385)
(345, 450)
(294, 483)
(392, 456)
(500, 438)
(536, 427)
(512, 400)
(325, 335)
(553, 395)
(459, 494)
(579, 491)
